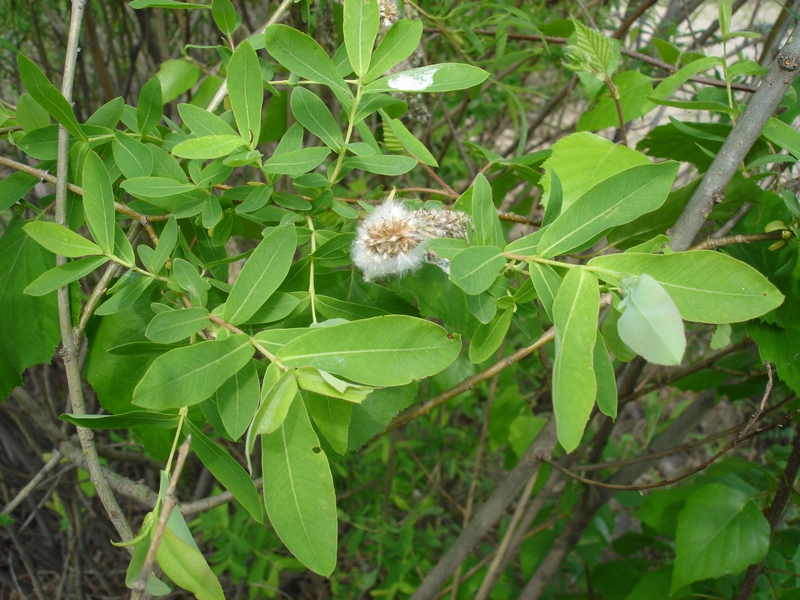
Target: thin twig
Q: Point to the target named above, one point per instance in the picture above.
(140, 585)
(711, 243)
(223, 89)
(33, 483)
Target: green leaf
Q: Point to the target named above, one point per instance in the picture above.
(332, 417)
(720, 531)
(60, 240)
(190, 280)
(225, 16)
(176, 325)
(175, 4)
(155, 187)
(98, 202)
(166, 243)
(484, 214)
(444, 77)
(302, 55)
(320, 382)
(396, 46)
(606, 380)
(150, 107)
(177, 76)
(474, 269)
(132, 157)
(125, 296)
(569, 158)
(651, 324)
(782, 135)
(276, 397)
(488, 337)
(411, 144)
(136, 418)
(666, 88)
(382, 164)
(314, 115)
(227, 471)
(263, 272)
(237, 400)
(382, 351)
(14, 187)
(246, 92)
(184, 564)
(60, 276)
(30, 325)
(300, 498)
(361, 19)
(203, 123)
(186, 376)
(48, 97)
(30, 114)
(592, 53)
(295, 162)
(373, 415)
(575, 312)
(209, 146)
(546, 282)
(706, 286)
(617, 200)
(781, 347)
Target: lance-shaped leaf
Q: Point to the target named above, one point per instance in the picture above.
(396, 46)
(60, 240)
(651, 324)
(262, 274)
(546, 282)
(299, 495)
(706, 286)
(575, 312)
(202, 123)
(332, 417)
(382, 164)
(14, 187)
(295, 162)
(302, 55)
(606, 380)
(62, 275)
(209, 146)
(488, 337)
(227, 471)
(246, 91)
(98, 202)
(237, 400)
(133, 158)
(151, 107)
(382, 351)
(184, 564)
(136, 418)
(361, 19)
(444, 77)
(48, 97)
(314, 115)
(176, 325)
(186, 376)
(474, 269)
(615, 201)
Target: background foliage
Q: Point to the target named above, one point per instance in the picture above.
(581, 380)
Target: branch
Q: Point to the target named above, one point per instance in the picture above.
(486, 517)
(68, 340)
(714, 243)
(711, 190)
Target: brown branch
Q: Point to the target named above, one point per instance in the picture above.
(466, 385)
(33, 483)
(494, 507)
(771, 236)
